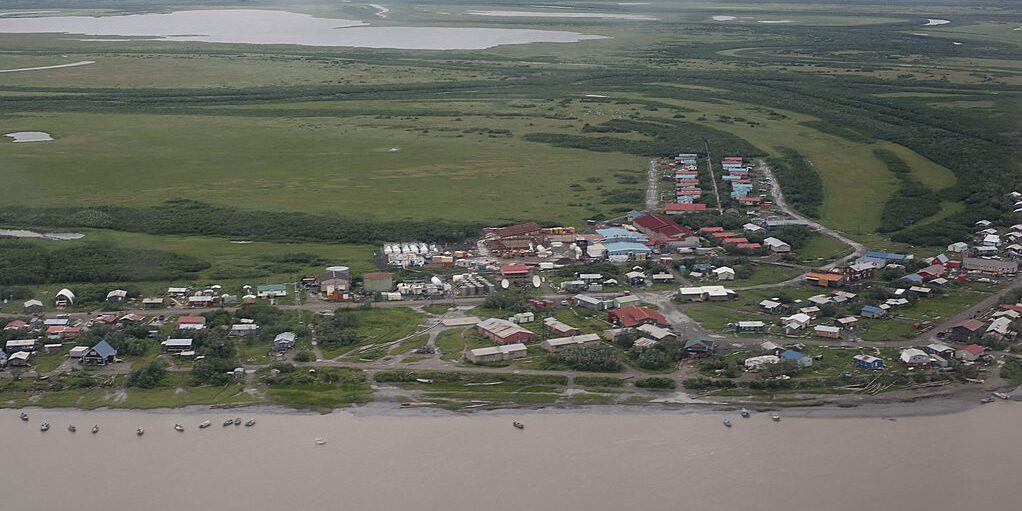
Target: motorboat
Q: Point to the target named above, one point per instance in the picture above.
(72, 428)
(518, 425)
(320, 441)
(1002, 395)
(424, 380)
(776, 418)
(204, 424)
(237, 421)
(228, 422)
(139, 431)
(24, 416)
(44, 426)
(987, 400)
(95, 429)
(727, 422)
(178, 427)
(744, 413)
(250, 423)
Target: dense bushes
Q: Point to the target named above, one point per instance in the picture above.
(337, 330)
(148, 376)
(911, 202)
(24, 262)
(600, 358)
(191, 217)
(664, 137)
(803, 189)
(655, 382)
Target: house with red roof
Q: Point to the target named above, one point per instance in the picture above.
(16, 324)
(514, 272)
(635, 315)
(969, 330)
(191, 323)
(970, 353)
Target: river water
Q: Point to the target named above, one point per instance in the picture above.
(561, 460)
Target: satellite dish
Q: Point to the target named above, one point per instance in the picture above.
(504, 284)
(535, 281)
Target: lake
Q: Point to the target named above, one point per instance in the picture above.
(255, 26)
(613, 460)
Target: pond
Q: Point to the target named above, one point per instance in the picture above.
(255, 26)
(62, 236)
(29, 136)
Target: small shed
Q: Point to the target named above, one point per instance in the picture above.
(284, 341)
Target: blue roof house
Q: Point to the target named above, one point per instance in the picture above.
(798, 357)
(100, 354)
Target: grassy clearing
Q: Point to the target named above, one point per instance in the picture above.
(320, 396)
(820, 248)
(767, 274)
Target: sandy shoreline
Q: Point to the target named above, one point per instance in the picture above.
(822, 407)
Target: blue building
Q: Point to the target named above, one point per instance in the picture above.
(626, 248)
(798, 357)
(872, 311)
(620, 234)
(868, 362)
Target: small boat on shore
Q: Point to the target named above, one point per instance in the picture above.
(72, 428)
(424, 380)
(24, 416)
(237, 421)
(518, 425)
(418, 404)
(44, 426)
(320, 441)
(139, 431)
(744, 413)
(178, 427)
(95, 429)
(776, 418)
(250, 423)
(727, 423)
(228, 422)
(1002, 395)
(987, 400)
(204, 424)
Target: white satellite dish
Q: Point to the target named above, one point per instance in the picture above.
(535, 281)
(504, 284)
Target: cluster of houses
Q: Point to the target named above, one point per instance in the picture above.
(687, 190)
(53, 333)
(736, 175)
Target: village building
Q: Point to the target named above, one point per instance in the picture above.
(177, 345)
(633, 316)
(970, 353)
(177, 292)
(798, 357)
(755, 363)
(100, 354)
(773, 307)
(561, 343)
(967, 331)
(643, 342)
(625, 301)
(941, 349)
(191, 323)
(847, 322)
(553, 325)
(267, 291)
(64, 298)
(503, 331)
(750, 327)
(914, 357)
(16, 324)
(589, 302)
(831, 332)
(824, 278)
(242, 329)
(999, 328)
(868, 362)
(703, 293)
(18, 359)
(872, 312)
(284, 341)
(32, 307)
(996, 266)
(496, 353)
(724, 273)
(656, 333)
(117, 296)
(201, 301)
(698, 347)
(152, 303)
(16, 345)
(776, 246)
